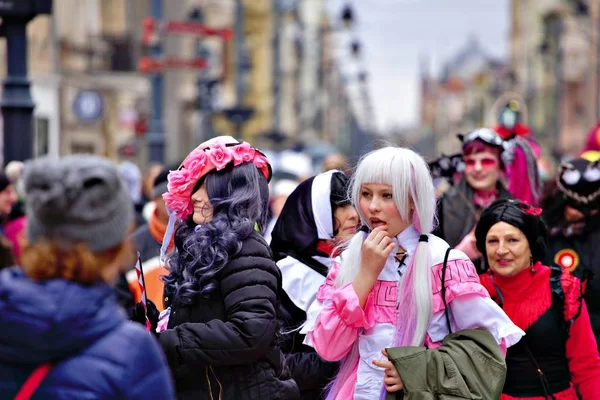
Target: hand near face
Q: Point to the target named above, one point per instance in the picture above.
(392, 380)
(375, 251)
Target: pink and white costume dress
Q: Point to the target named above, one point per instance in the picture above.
(338, 327)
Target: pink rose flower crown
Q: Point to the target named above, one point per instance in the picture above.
(215, 153)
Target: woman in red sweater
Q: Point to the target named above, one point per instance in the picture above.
(558, 355)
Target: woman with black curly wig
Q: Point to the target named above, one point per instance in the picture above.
(220, 339)
(558, 356)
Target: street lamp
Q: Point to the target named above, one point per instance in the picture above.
(156, 134)
(580, 7)
(553, 59)
(347, 16)
(362, 76)
(17, 104)
(356, 48)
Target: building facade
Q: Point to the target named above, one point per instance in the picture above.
(554, 54)
(91, 97)
(461, 99)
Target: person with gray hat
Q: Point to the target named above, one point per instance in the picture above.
(60, 318)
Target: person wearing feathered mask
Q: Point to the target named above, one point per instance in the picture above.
(571, 210)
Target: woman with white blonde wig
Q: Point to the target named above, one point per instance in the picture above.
(386, 288)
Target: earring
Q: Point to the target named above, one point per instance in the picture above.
(531, 263)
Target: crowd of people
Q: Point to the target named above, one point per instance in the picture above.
(364, 283)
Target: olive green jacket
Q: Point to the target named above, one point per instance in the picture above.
(468, 365)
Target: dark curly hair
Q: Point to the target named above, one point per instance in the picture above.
(513, 212)
(239, 196)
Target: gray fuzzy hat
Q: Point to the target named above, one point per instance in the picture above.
(77, 199)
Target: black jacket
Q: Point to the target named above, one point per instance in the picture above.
(306, 219)
(310, 371)
(224, 346)
(582, 254)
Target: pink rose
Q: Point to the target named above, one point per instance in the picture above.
(220, 156)
(196, 163)
(243, 153)
(260, 161)
(181, 205)
(179, 181)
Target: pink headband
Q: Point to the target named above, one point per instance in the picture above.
(215, 153)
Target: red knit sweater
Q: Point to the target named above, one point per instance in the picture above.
(527, 296)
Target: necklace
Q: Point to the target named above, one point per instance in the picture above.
(484, 199)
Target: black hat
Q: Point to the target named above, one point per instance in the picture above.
(579, 182)
(520, 215)
(307, 217)
(339, 190)
(160, 182)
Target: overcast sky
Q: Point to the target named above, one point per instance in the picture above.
(397, 33)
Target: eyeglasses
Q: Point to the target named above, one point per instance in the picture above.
(485, 162)
(486, 135)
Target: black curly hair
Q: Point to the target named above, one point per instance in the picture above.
(239, 197)
(520, 215)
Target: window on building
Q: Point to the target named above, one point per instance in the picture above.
(41, 128)
(82, 148)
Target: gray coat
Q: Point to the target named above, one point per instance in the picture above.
(457, 214)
